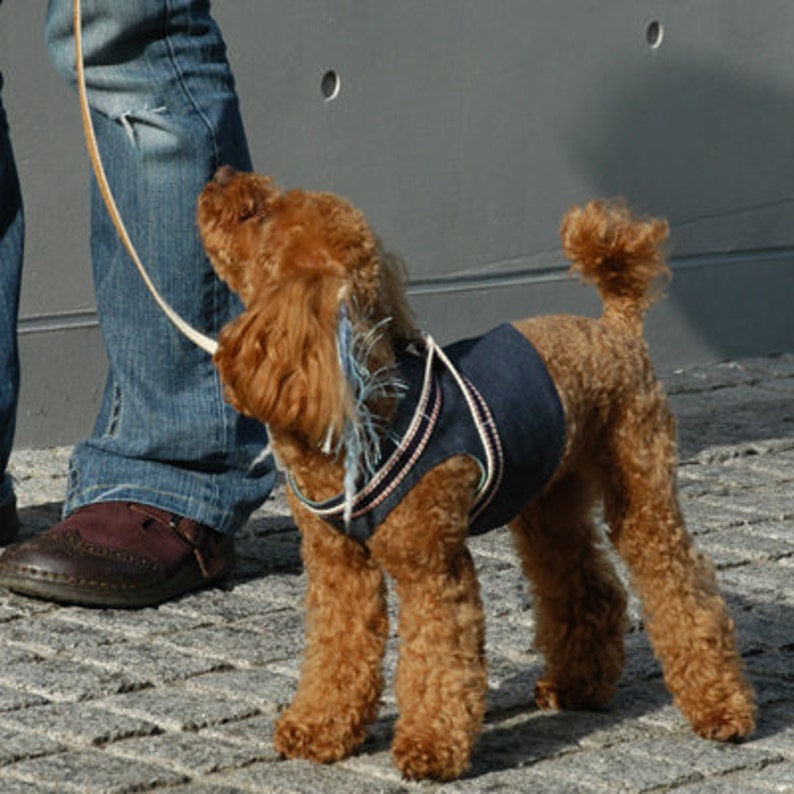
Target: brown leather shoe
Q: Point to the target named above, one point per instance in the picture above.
(9, 522)
(118, 554)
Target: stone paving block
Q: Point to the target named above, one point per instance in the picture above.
(204, 788)
(621, 769)
(779, 365)
(531, 736)
(508, 607)
(40, 477)
(765, 630)
(709, 378)
(638, 708)
(722, 477)
(511, 685)
(536, 779)
(775, 502)
(736, 783)
(12, 699)
(665, 717)
(304, 777)
(220, 606)
(51, 635)
(19, 745)
(264, 554)
(374, 758)
(741, 413)
(641, 664)
(89, 772)
(261, 686)
(189, 754)
(702, 517)
(704, 756)
(175, 708)
(63, 680)
(773, 540)
(770, 694)
(132, 623)
(778, 776)
(784, 386)
(256, 731)
(752, 447)
(764, 581)
(776, 731)
(19, 786)
(279, 592)
(155, 662)
(17, 607)
(514, 638)
(497, 545)
(776, 665)
(36, 463)
(266, 638)
(777, 530)
(731, 546)
(776, 467)
(80, 724)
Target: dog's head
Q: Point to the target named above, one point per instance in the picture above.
(302, 263)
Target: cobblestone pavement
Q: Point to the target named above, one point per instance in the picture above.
(183, 698)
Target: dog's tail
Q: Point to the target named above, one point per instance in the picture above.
(622, 253)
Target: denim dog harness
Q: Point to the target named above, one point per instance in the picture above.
(491, 398)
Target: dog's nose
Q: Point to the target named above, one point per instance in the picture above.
(224, 174)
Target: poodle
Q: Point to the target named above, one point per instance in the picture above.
(396, 450)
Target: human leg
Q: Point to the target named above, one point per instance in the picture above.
(166, 115)
(11, 248)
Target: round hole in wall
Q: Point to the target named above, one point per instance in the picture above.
(654, 34)
(330, 85)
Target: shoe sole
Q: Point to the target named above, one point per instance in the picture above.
(183, 582)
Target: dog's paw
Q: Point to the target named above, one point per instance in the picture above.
(730, 721)
(430, 758)
(316, 738)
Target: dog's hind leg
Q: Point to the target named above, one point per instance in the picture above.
(341, 680)
(687, 620)
(441, 676)
(579, 601)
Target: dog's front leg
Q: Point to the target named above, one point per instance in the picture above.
(441, 677)
(341, 680)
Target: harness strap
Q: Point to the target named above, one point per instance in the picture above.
(416, 438)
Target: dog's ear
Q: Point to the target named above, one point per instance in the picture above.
(279, 360)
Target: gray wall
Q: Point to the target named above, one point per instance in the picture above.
(464, 129)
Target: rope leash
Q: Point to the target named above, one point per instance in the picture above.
(195, 336)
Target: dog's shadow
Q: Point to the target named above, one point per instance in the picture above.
(268, 546)
(518, 734)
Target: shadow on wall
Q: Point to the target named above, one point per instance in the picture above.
(713, 150)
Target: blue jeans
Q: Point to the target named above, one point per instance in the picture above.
(11, 244)
(166, 116)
